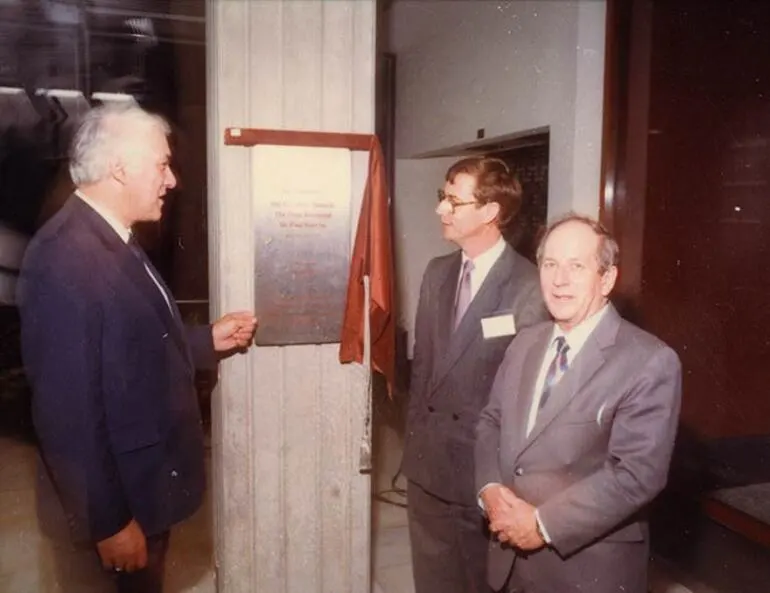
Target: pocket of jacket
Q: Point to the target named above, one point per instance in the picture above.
(630, 533)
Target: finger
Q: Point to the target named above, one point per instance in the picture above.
(500, 526)
(507, 496)
(243, 316)
(108, 562)
(143, 556)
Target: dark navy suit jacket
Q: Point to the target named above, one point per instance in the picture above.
(112, 376)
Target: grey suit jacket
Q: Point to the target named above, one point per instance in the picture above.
(598, 453)
(452, 372)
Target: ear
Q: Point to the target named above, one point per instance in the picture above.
(491, 211)
(118, 172)
(608, 280)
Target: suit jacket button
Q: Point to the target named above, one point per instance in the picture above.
(519, 471)
(174, 473)
(431, 409)
(455, 417)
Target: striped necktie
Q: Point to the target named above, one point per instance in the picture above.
(556, 369)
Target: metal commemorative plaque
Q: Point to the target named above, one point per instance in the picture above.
(302, 233)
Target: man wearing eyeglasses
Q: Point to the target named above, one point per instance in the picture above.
(472, 304)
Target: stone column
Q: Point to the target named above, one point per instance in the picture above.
(292, 509)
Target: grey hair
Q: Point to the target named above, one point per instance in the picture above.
(99, 136)
(607, 255)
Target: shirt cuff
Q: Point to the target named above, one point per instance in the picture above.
(478, 496)
(542, 528)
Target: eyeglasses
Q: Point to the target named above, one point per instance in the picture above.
(453, 201)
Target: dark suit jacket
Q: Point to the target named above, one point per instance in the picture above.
(112, 374)
(452, 372)
(598, 453)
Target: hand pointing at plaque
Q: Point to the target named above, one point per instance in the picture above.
(234, 330)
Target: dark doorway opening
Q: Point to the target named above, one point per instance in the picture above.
(529, 161)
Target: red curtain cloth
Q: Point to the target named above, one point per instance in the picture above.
(372, 256)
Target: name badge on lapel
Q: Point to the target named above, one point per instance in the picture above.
(497, 326)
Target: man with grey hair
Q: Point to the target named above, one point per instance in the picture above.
(577, 437)
(111, 364)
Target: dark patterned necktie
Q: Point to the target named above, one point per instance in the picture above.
(463, 296)
(139, 253)
(556, 369)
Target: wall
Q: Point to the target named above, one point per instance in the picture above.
(417, 230)
(506, 67)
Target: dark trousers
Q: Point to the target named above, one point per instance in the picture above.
(449, 544)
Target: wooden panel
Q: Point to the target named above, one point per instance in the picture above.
(293, 510)
(265, 72)
(686, 172)
(706, 237)
(738, 521)
(357, 378)
(252, 137)
(337, 462)
(233, 453)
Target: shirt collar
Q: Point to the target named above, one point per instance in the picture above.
(578, 335)
(123, 232)
(483, 263)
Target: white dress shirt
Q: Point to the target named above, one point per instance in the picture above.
(575, 339)
(482, 264)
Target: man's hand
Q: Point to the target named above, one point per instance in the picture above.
(124, 551)
(515, 522)
(234, 330)
(497, 500)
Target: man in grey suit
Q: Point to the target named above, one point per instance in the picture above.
(471, 304)
(577, 437)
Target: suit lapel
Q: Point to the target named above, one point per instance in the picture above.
(445, 313)
(588, 361)
(134, 271)
(487, 300)
(530, 371)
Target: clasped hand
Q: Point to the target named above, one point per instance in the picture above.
(511, 519)
(124, 551)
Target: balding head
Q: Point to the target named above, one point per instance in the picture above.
(578, 268)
